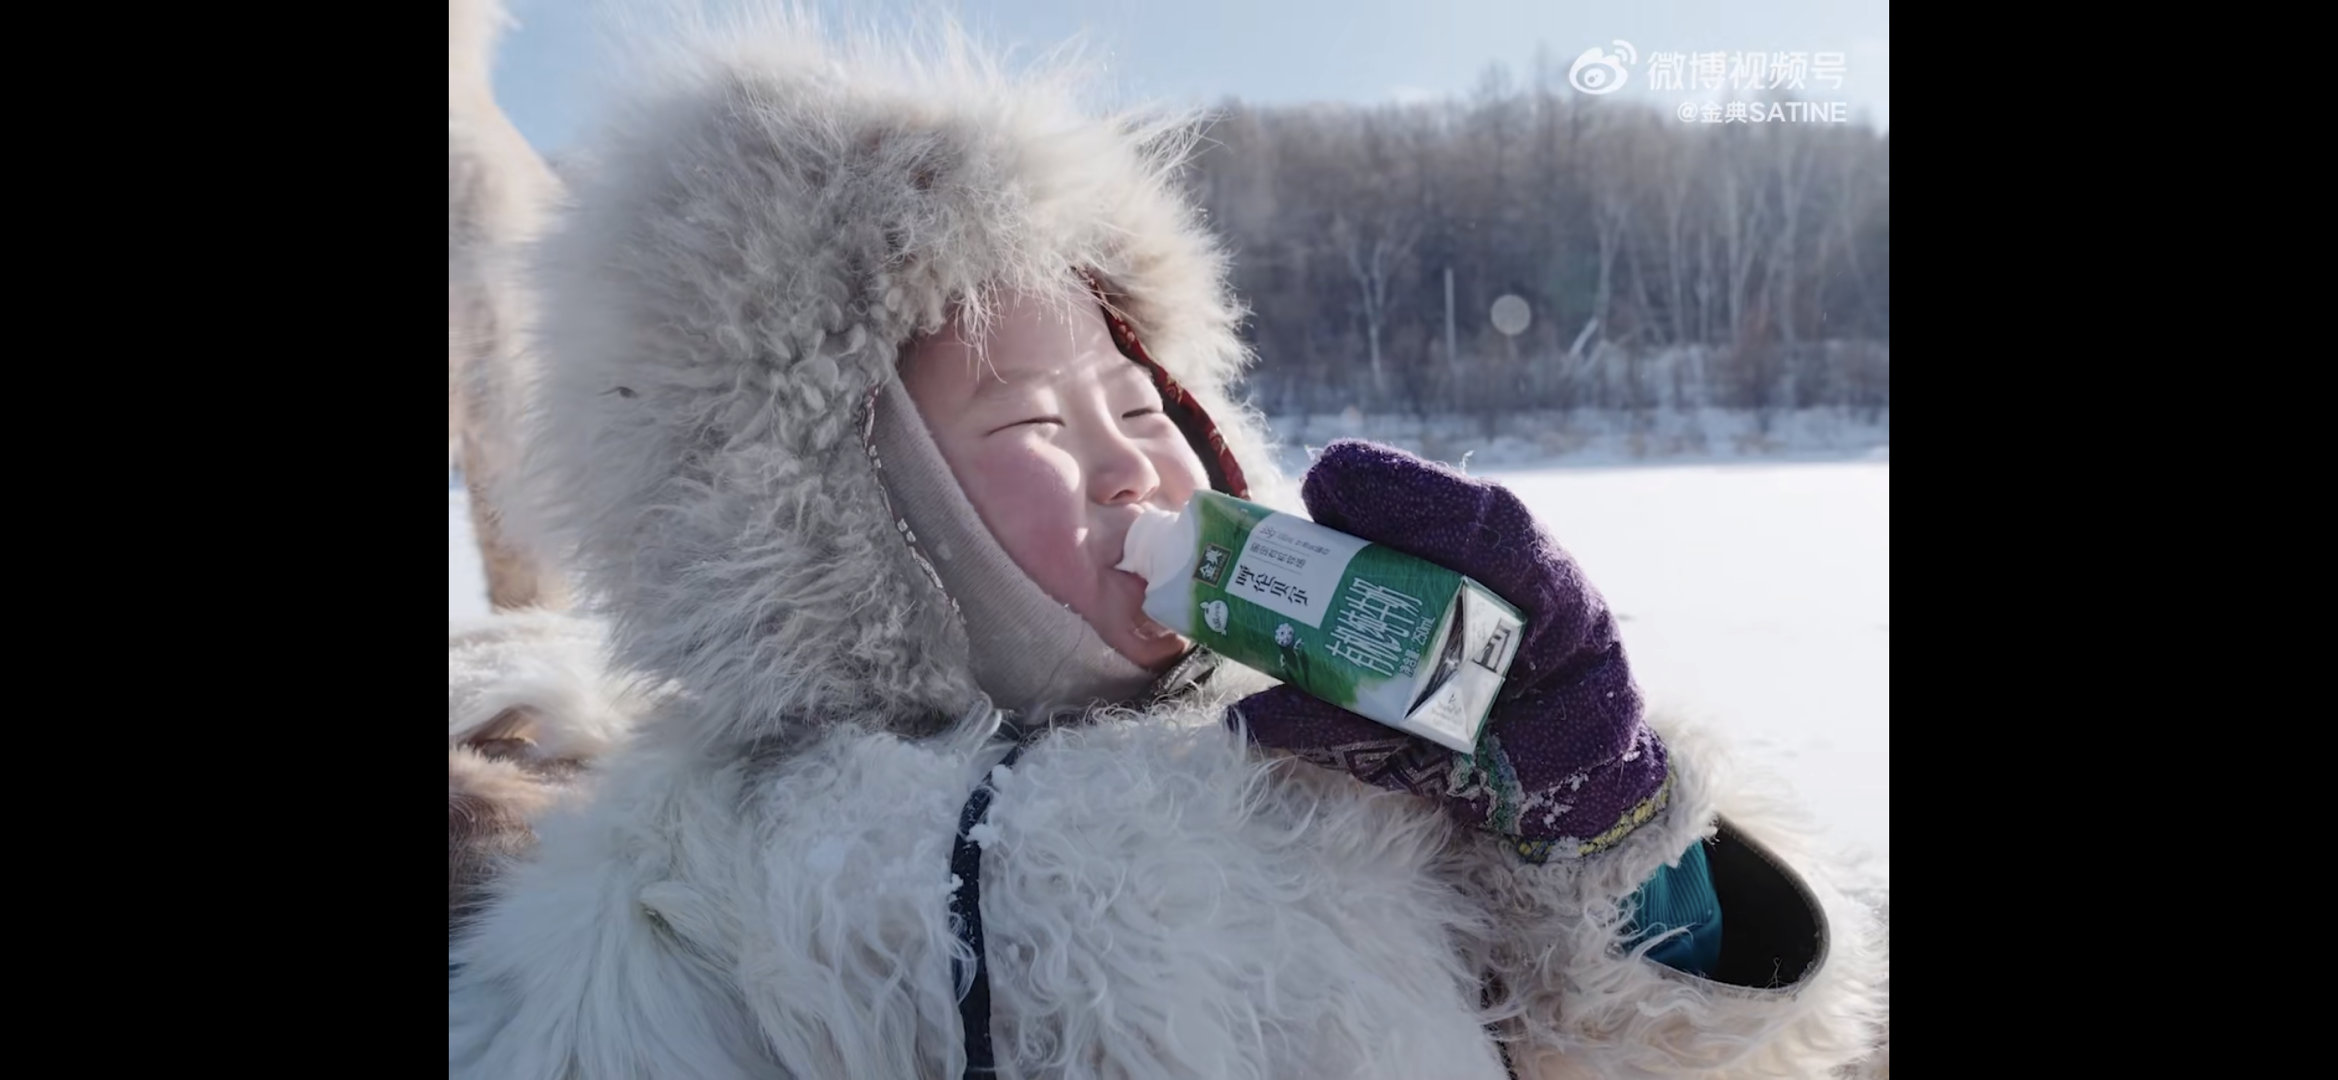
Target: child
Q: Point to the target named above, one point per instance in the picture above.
(856, 368)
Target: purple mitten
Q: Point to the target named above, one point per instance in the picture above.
(1565, 767)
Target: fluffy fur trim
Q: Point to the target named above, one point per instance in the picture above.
(1580, 1004)
(766, 220)
(551, 665)
(531, 704)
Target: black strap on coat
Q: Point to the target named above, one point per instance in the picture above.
(966, 905)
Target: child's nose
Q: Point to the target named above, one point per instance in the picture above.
(1122, 474)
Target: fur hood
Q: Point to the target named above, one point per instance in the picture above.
(758, 233)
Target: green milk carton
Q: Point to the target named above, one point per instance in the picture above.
(1392, 638)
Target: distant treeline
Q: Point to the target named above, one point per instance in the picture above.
(1663, 263)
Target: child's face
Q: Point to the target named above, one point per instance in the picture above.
(1057, 440)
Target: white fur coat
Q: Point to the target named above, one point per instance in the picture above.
(1158, 902)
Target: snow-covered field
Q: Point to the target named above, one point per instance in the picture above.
(1757, 596)
(1528, 439)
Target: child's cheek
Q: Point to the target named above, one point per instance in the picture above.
(1180, 469)
(1030, 499)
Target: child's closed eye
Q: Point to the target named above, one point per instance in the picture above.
(1150, 410)
(1056, 420)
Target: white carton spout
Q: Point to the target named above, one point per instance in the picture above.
(1158, 546)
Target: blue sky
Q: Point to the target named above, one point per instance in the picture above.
(1276, 51)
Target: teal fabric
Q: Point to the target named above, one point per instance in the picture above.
(1680, 896)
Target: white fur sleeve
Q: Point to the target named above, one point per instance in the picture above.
(1579, 1003)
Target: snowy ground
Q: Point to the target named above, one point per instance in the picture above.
(1755, 595)
(1758, 598)
(1612, 437)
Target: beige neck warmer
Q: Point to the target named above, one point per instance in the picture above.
(1029, 653)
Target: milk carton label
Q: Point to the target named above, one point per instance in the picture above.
(1292, 567)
